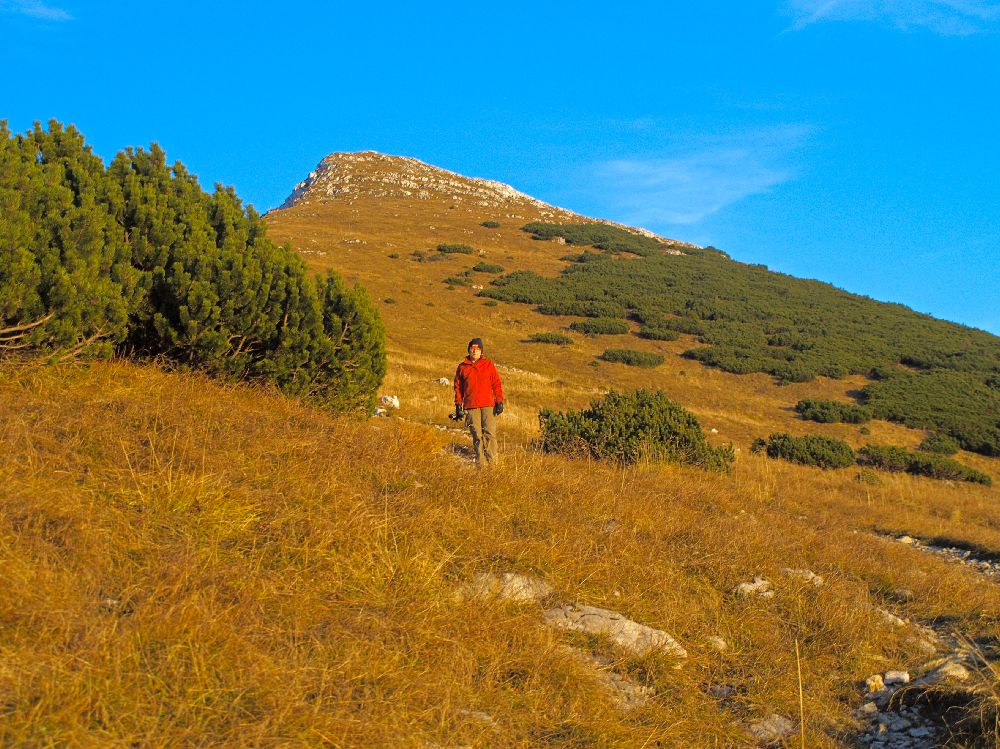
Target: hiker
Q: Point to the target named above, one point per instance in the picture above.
(479, 398)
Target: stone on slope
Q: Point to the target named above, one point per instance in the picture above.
(759, 587)
(773, 729)
(622, 631)
(508, 586)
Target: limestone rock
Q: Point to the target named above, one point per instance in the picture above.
(507, 586)
(622, 631)
(773, 729)
(808, 575)
(759, 587)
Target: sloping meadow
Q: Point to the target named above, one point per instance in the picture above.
(187, 563)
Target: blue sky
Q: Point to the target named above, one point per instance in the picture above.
(853, 141)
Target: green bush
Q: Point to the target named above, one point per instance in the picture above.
(658, 333)
(487, 268)
(628, 427)
(589, 308)
(560, 339)
(602, 236)
(491, 224)
(829, 412)
(600, 326)
(811, 450)
(941, 444)
(631, 357)
(749, 319)
(455, 249)
(891, 458)
(137, 259)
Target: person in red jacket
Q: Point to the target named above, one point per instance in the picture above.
(479, 398)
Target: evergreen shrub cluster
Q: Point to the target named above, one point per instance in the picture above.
(941, 444)
(891, 458)
(632, 426)
(491, 224)
(749, 319)
(829, 412)
(600, 326)
(487, 268)
(811, 450)
(137, 259)
(560, 339)
(576, 308)
(631, 357)
(608, 238)
(658, 333)
(455, 249)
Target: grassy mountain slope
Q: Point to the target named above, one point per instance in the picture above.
(197, 564)
(192, 564)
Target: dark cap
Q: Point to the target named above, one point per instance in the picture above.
(476, 341)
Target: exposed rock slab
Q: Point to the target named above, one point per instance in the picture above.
(508, 586)
(622, 631)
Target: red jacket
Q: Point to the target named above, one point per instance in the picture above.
(477, 384)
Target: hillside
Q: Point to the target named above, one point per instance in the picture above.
(194, 563)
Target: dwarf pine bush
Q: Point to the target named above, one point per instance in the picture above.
(898, 459)
(941, 444)
(600, 326)
(455, 249)
(138, 259)
(487, 268)
(628, 427)
(829, 412)
(631, 357)
(560, 339)
(811, 450)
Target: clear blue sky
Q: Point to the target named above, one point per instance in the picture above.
(853, 141)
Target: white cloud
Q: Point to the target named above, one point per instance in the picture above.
(946, 17)
(35, 9)
(697, 179)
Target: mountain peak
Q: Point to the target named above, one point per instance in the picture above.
(374, 174)
(370, 174)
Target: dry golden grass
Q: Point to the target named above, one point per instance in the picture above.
(193, 564)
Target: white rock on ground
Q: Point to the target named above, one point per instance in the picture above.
(390, 401)
(626, 693)
(622, 631)
(442, 381)
(892, 678)
(717, 643)
(889, 618)
(772, 729)
(759, 587)
(508, 586)
(808, 575)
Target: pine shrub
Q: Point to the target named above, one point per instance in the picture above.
(829, 412)
(487, 268)
(941, 444)
(490, 224)
(600, 326)
(632, 426)
(658, 333)
(455, 249)
(631, 357)
(138, 259)
(898, 459)
(811, 450)
(560, 339)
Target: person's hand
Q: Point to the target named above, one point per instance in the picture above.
(498, 409)
(459, 412)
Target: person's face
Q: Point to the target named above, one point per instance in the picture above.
(475, 352)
